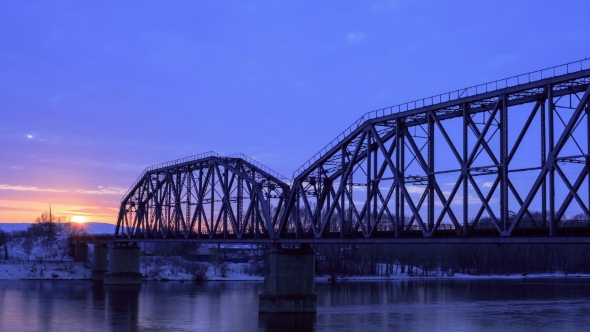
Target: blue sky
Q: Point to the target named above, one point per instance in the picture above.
(105, 89)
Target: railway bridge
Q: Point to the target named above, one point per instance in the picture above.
(500, 162)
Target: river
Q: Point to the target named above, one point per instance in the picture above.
(558, 304)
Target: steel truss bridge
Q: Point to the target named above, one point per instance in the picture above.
(501, 162)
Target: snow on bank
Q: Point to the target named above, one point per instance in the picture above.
(214, 272)
(23, 270)
(33, 270)
(38, 258)
(68, 270)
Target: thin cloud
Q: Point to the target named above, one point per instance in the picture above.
(384, 5)
(4, 208)
(104, 191)
(101, 190)
(29, 188)
(355, 37)
(96, 211)
(416, 190)
(412, 190)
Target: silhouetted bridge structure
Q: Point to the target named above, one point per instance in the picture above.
(501, 162)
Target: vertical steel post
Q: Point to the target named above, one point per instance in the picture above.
(551, 160)
(189, 177)
(464, 170)
(157, 207)
(504, 165)
(213, 167)
(240, 220)
(402, 168)
(268, 194)
(399, 176)
(328, 194)
(253, 214)
(375, 185)
(200, 211)
(226, 208)
(543, 161)
(342, 184)
(398, 220)
(177, 210)
(318, 194)
(430, 171)
(369, 169)
(256, 215)
(298, 224)
(350, 202)
(257, 208)
(168, 201)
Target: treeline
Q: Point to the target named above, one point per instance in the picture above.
(48, 225)
(448, 259)
(46, 238)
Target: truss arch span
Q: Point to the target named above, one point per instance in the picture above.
(484, 160)
(509, 158)
(206, 196)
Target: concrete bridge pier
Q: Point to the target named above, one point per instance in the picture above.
(80, 252)
(290, 281)
(100, 265)
(123, 265)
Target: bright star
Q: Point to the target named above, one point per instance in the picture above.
(30, 136)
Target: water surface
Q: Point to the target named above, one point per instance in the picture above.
(412, 305)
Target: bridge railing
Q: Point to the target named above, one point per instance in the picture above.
(512, 81)
(262, 167)
(170, 163)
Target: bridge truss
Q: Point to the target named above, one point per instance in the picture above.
(204, 196)
(503, 159)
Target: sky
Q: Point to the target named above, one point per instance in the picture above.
(93, 92)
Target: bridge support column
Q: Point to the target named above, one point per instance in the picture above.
(80, 252)
(100, 266)
(290, 281)
(123, 266)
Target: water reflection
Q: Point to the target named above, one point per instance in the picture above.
(122, 306)
(286, 322)
(412, 305)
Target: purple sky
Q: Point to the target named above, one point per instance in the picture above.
(92, 93)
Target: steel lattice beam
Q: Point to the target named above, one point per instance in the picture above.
(446, 169)
(203, 198)
(378, 156)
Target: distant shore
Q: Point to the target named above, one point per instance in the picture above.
(69, 270)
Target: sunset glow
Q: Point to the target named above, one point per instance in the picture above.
(78, 142)
(79, 219)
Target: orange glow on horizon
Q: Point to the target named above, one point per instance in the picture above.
(19, 211)
(79, 219)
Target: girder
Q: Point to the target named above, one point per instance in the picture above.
(203, 197)
(384, 178)
(503, 159)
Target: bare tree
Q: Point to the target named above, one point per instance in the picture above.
(74, 229)
(53, 225)
(3, 238)
(28, 245)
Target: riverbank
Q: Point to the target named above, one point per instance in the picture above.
(69, 270)
(46, 270)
